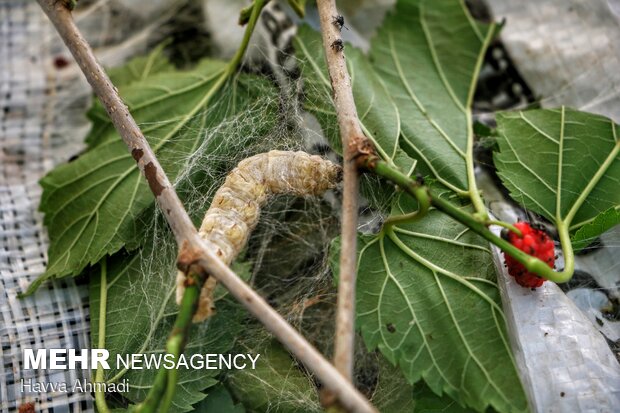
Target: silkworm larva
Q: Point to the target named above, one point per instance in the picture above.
(235, 208)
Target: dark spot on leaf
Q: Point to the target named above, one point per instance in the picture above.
(137, 153)
(390, 327)
(150, 171)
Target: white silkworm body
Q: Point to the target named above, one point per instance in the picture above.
(235, 209)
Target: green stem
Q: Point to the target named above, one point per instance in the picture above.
(402, 219)
(481, 211)
(425, 200)
(235, 62)
(531, 263)
(505, 225)
(161, 394)
(299, 7)
(474, 194)
(100, 402)
(417, 190)
(152, 399)
(180, 332)
(257, 7)
(244, 15)
(567, 248)
(593, 181)
(171, 385)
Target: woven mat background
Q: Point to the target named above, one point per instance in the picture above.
(43, 98)
(57, 316)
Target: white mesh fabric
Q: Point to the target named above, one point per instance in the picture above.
(57, 316)
(43, 98)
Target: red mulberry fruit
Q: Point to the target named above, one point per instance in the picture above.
(534, 242)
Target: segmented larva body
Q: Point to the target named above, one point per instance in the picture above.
(235, 208)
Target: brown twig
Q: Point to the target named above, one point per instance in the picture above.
(354, 143)
(192, 249)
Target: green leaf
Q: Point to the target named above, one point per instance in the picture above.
(164, 101)
(137, 69)
(416, 89)
(392, 393)
(100, 202)
(139, 313)
(219, 400)
(140, 68)
(560, 163)
(275, 385)
(428, 402)
(376, 109)
(299, 6)
(429, 54)
(427, 299)
(483, 131)
(587, 233)
(242, 268)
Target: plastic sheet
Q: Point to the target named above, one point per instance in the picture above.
(566, 50)
(565, 364)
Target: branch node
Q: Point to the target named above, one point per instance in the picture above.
(196, 275)
(327, 399)
(363, 153)
(67, 4)
(188, 256)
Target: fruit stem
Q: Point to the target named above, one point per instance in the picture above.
(567, 251)
(531, 263)
(425, 200)
(505, 225)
